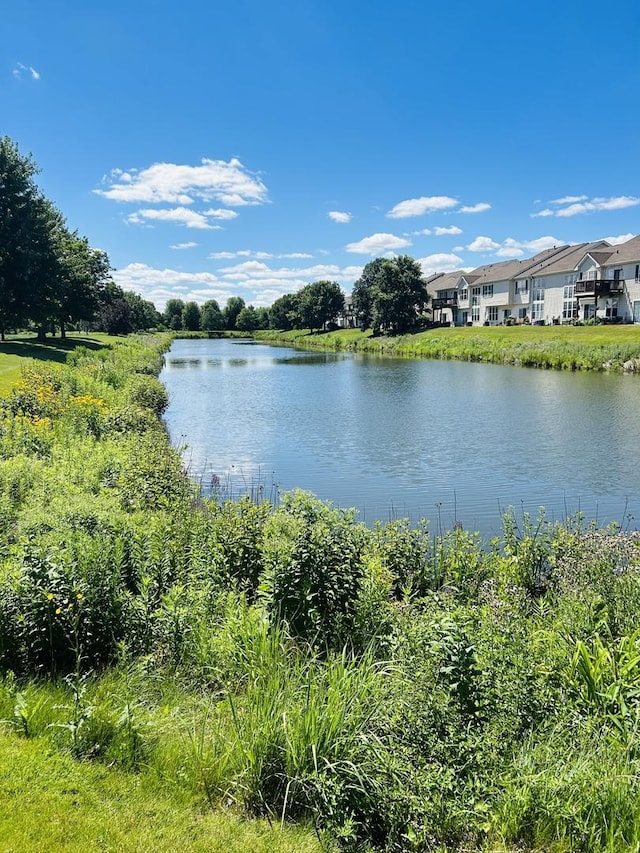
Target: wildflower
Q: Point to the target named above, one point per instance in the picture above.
(79, 596)
(49, 596)
(58, 611)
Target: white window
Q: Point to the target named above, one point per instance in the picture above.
(487, 290)
(464, 295)
(475, 314)
(611, 308)
(537, 308)
(570, 303)
(522, 286)
(492, 313)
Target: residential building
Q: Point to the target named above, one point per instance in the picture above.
(558, 285)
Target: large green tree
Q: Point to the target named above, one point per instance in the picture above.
(211, 318)
(390, 294)
(234, 306)
(172, 315)
(28, 224)
(319, 303)
(283, 314)
(48, 274)
(144, 315)
(191, 317)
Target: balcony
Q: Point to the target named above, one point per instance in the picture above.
(597, 287)
(445, 302)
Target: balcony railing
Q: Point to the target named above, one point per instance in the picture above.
(444, 302)
(599, 286)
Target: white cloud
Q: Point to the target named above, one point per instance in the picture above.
(424, 232)
(377, 243)
(418, 206)
(190, 245)
(249, 253)
(221, 213)
(569, 199)
(511, 248)
(621, 238)
(256, 270)
(575, 205)
(228, 182)
(440, 262)
(21, 69)
(440, 231)
(339, 216)
(617, 203)
(483, 244)
(182, 215)
(475, 208)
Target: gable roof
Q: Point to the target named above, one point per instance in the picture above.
(448, 281)
(625, 253)
(567, 258)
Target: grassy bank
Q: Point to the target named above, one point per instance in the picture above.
(557, 347)
(16, 349)
(378, 689)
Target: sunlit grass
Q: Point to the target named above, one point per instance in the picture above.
(558, 347)
(49, 802)
(17, 350)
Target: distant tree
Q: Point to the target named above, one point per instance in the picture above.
(144, 315)
(211, 318)
(114, 312)
(364, 290)
(234, 306)
(191, 317)
(247, 320)
(283, 314)
(319, 303)
(172, 315)
(262, 316)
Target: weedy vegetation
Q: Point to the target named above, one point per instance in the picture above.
(385, 689)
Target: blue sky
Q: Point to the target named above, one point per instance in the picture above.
(247, 148)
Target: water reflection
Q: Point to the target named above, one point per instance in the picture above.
(448, 441)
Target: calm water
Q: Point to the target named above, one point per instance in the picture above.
(447, 441)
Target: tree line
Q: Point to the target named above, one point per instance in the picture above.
(389, 296)
(51, 278)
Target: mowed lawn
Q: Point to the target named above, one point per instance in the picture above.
(50, 802)
(15, 352)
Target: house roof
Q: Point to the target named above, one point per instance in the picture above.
(625, 253)
(448, 281)
(566, 258)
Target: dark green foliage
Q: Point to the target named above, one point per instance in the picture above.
(318, 304)
(312, 569)
(211, 318)
(234, 306)
(191, 317)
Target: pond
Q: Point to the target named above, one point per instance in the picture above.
(443, 440)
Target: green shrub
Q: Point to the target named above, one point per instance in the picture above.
(313, 569)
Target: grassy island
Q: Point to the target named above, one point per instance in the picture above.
(344, 687)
